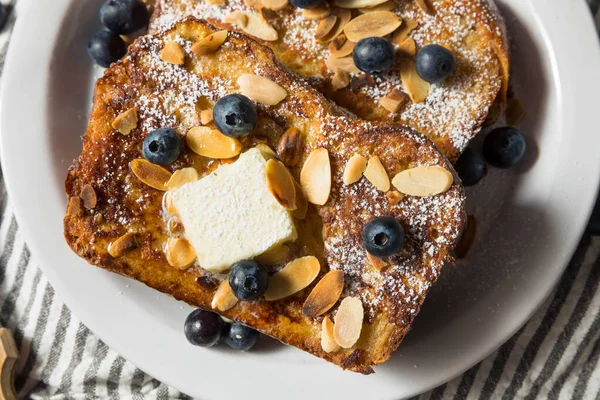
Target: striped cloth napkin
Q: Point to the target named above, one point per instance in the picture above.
(554, 356)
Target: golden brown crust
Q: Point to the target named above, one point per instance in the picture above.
(168, 95)
(454, 110)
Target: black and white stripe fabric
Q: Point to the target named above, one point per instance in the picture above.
(556, 355)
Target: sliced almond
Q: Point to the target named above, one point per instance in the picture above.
(376, 23)
(408, 47)
(467, 238)
(343, 63)
(75, 208)
(362, 80)
(173, 53)
(261, 89)
(206, 116)
(290, 147)
(275, 255)
(343, 17)
(281, 184)
(217, 2)
(88, 196)
(423, 181)
(425, 6)
(126, 121)
(151, 174)
(515, 111)
(180, 253)
(315, 177)
(317, 13)
(416, 87)
(253, 25)
(340, 80)
(325, 26)
(181, 177)
(355, 167)
(393, 101)
(324, 295)
(275, 5)
(266, 151)
(358, 3)
(294, 277)
(328, 343)
(376, 174)
(348, 322)
(168, 203)
(387, 6)
(408, 25)
(341, 46)
(394, 197)
(224, 299)
(122, 245)
(301, 202)
(209, 44)
(211, 143)
(378, 263)
(175, 226)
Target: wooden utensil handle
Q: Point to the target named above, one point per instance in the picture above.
(8, 359)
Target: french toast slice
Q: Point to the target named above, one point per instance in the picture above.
(452, 112)
(108, 202)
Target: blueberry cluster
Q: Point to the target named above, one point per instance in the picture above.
(205, 329)
(120, 17)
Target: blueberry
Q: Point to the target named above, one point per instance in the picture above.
(235, 115)
(471, 167)
(241, 337)
(373, 55)
(203, 328)
(106, 48)
(504, 147)
(248, 280)
(162, 146)
(306, 3)
(435, 63)
(124, 16)
(383, 236)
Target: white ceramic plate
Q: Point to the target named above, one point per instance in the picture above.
(530, 219)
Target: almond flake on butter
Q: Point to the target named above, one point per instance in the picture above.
(408, 47)
(394, 197)
(126, 121)
(209, 44)
(341, 46)
(315, 177)
(261, 89)
(275, 255)
(253, 25)
(423, 181)
(211, 143)
(328, 343)
(224, 299)
(376, 23)
(340, 80)
(301, 202)
(266, 151)
(358, 3)
(325, 26)
(376, 174)
(290, 147)
(317, 13)
(206, 117)
(168, 203)
(348, 322)
(294, 277)
(151, 174)
(281, 184)
(343, 17)
(173, 53)
(355, 167)
(408, 25)
(324, 295)
(416, 87)
(122, 245)
(387, 6)
(180, 253)
(343, 63)
(75, 208)
(88, 197)
(181, 177)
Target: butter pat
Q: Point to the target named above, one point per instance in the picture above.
(230, 215)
